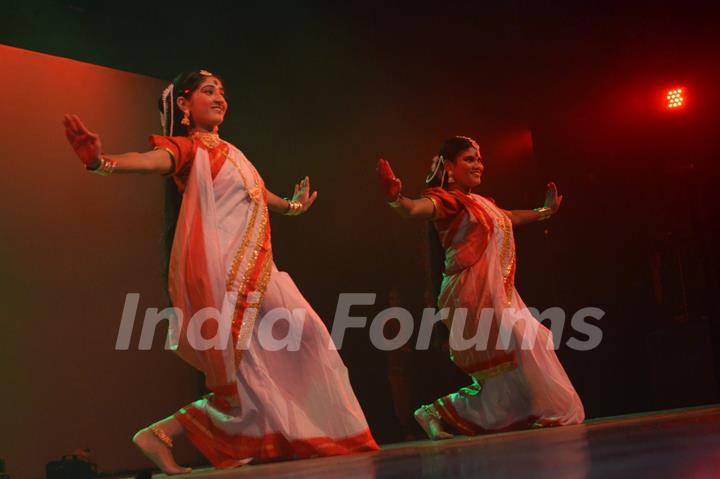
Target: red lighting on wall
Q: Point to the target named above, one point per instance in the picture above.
(675, 98)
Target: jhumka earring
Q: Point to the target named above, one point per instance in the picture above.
(450, 177)
(186, 119)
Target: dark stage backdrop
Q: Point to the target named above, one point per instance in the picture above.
(565, 92)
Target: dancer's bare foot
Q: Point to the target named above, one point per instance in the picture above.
(158, 452)
(430, 421)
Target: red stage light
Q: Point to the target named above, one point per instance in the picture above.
(675, 98)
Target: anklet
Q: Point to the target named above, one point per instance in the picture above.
(431, 411)
(160, 434)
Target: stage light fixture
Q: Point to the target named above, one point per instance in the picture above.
(675, 98)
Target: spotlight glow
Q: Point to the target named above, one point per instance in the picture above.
(675, 98)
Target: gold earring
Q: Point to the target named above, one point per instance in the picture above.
(186, 119)
(450, 177)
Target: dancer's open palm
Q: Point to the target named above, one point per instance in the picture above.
(302, 194)
(86, 144)
(552, 198)
(390, 185)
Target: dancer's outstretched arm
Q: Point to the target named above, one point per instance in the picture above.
(423, 208)
(551, 206)
(301, 197)
(88, 148)
(391, 187)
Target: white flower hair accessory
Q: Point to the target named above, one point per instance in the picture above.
(167, 102)
(437, 162)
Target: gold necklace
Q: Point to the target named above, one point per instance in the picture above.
(210, 140)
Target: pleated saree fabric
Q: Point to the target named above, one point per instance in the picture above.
(265, 403)
(517, 379)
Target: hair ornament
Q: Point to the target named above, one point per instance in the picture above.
(471, 141)
(167, 101)
(437, 162)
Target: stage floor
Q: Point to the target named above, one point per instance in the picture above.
(671, 444)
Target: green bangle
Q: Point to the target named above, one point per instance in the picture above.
(95, 165)
(396, 203)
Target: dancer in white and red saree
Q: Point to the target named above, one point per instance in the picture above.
(264, 404)
(514, 386)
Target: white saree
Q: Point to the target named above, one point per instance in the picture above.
(518, 381)
(264, 404)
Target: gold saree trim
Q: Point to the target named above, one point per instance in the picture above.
(240, 255)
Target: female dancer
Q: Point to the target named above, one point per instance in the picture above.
(515, 384)
(263, 404)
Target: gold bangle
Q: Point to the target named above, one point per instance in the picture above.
(173, 159)
(435, 204)
(294, 208)
(105, 168)
(545, 213)
(160, 434)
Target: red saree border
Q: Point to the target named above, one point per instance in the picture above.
(449, 414)
(224, 450)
